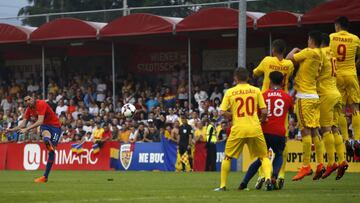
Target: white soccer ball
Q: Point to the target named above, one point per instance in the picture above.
(128, 110)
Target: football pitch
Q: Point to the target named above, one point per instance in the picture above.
(116, 186)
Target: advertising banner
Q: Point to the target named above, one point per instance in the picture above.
(3, 149)
(160, 156)
(33, 156)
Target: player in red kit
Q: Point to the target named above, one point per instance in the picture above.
(278, 103)
(50, 128)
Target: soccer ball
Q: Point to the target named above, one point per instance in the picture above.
(128, 110)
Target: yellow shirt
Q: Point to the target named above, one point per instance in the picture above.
(345, 46)
(98, 133)
(310, 66)
(244, 100)
(270, 64)
(200, 133)
(327, 78)
(124, 136)
(167, 134)
(3, 137)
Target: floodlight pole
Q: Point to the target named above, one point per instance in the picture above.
(189, 72)
(43, 70)
(242, 34)
(113, 73)
(125, 6)
(270, 44)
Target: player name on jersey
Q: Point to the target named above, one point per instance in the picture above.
(274, 94)
(273, 67)
(246, 91)
(342, 39)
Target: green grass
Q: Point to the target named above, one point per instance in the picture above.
(115, 186)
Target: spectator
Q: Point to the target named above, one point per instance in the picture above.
(200, 95)
(124, 135)
(151, 103)
(61, 108)
(6, 104)
(141, 133)
(171, 117)
(216, 94)
(132, 136)
(153, 136)
(93, 109)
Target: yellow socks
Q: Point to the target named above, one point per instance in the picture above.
(266, 167)
(343, 126)
(340, 147)
(225, 169)
(306, 140)
(329, 143)
(283, 166)
(319, 149)
(356, 125)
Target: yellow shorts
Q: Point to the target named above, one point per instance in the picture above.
(349, 88)
(329, 106)
(257, 146)
(308, 113)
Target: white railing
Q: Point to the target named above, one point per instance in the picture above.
(126, 10)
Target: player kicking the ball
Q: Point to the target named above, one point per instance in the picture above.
(49, 127)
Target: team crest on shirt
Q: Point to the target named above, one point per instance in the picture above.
(184, 131)
(126, 153)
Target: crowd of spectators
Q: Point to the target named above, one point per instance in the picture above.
(85, 106)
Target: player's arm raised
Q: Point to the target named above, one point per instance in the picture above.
(291, 57)
(259, 70)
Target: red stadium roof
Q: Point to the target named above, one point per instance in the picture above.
(66, 28)
(329, 11)
(139, 24)
(13, 34)
(279, 19)
(214, 19)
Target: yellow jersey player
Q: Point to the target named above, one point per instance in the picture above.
(345, 47)
(307, 101)
(275, 63)
(243, 101)
(269, 64)
(330, 106)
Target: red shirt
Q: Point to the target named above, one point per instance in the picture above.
(107, 134)
(43, 109)
(71, 109)
(278, 103)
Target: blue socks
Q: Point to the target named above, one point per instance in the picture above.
(277, 163)
(253, 169)
(49, 164)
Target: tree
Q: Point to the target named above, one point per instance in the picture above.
(55, 6)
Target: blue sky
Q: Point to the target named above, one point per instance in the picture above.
(11, 8)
